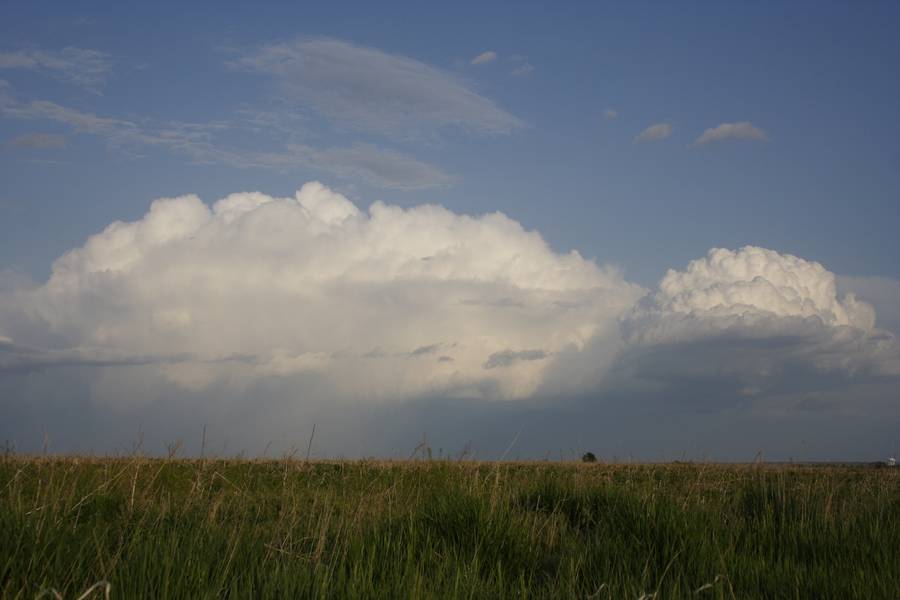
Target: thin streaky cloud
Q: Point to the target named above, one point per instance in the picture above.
(374, 165)
(83, 67)
(523, 70)
(5, 94)
(368, 89)
(81, 122)
(377, 166)
(659, 131)
(743, 130)
(38, 141)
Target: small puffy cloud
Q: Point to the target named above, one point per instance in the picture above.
(738, 131)
(610, 113)
(484, 58)
(371, 90)
(38, 141)
(659, 131)
(78, 66)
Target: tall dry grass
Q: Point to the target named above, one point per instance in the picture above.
(168, 528)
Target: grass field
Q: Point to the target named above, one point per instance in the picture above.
(155, 528)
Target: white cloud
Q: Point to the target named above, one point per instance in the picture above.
(752, 279)
(484, 58)
(260, 315)
(523, 70)
(82, 122)
(364, 86)
(38, 141)
(78, 66)
(399, 303)
(609, 113)
(371, 164)
(376, 166)
(755, 311)
(883, 293)
(659, 131)
(368, 89)
(739, 131)
(379, 305)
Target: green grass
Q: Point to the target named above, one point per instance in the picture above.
(156, 528)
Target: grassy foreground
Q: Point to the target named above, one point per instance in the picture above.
(156, 528)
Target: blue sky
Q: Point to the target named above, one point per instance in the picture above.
(818, 79)
(641, 135)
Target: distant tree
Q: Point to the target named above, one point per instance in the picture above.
(588, 457)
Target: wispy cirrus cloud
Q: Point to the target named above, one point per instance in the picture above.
(743, 130)
(659, 131)
(38, 141)
(522, 70)
(351, 87)
(79, 121)
(371, 90)
(83, 67)
(372, 164)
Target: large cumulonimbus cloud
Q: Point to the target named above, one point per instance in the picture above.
(384, 304)
(257, 313)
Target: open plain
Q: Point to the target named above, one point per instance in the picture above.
(225, 528)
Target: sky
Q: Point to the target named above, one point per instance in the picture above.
(646, 230)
